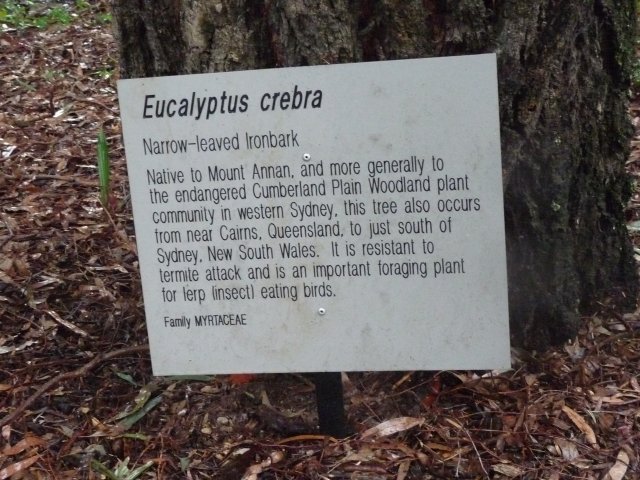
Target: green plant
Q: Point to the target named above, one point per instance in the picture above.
(103, 17)
(121, 471)
(104, 73)
(26, 85)
(51, 76)
(58, 15)
(103, 168)
(30, 13)
(13, 13)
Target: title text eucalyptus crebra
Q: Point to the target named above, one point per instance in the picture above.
(204, 107)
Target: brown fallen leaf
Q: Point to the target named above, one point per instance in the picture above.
(18, 467)
(392, 426)
(582, 425)
(403, 470)
(619, 469)
(22, 445)
(508, 470)
(306, 438)
(237, 464)
(256, 469)
(252, 472)
(567, 448)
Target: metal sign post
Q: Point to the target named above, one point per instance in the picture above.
(330, 402)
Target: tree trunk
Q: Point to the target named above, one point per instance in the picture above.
(563, 80)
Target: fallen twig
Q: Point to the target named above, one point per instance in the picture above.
(79, 181)
(67, 324)
(69, 376)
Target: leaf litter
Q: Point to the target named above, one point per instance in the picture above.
(77, 399)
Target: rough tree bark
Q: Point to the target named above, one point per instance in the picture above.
(563, 80)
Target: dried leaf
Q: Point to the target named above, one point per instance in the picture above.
(508, 470)
(22, 445)
(575, 351)
(619, 469)
(403, 470)
(26, 344)
(277, 456)
(567, 448)
(395, 425)
(438, 447)
(18, 467)
(305, 438)
(364, 454)
(252, 472)
(582, 425)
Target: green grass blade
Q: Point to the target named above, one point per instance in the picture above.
(100, 468)
(130, 420)
(134, 474)
(103, 168)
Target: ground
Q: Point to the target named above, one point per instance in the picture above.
(77, 397)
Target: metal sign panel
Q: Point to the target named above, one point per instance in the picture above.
(330, 218)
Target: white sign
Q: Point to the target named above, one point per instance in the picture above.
(331, 218)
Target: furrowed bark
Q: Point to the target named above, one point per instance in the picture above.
(563, 80)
